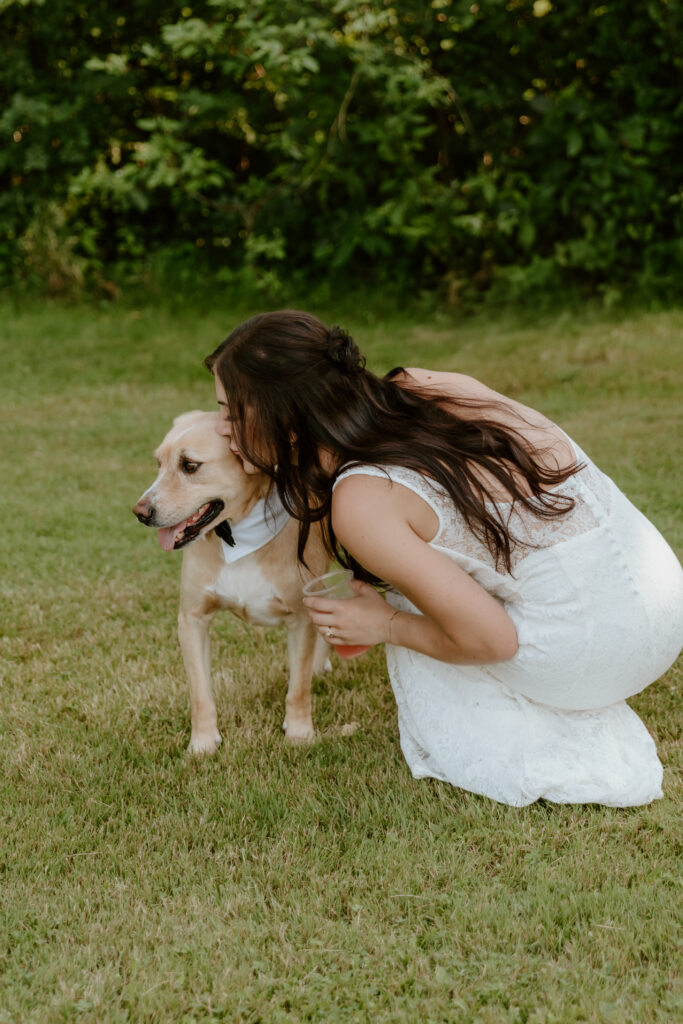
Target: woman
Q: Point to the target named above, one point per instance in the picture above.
(527, 597)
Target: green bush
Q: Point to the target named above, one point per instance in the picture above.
(508, 145)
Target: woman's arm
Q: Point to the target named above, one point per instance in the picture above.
(460, 623)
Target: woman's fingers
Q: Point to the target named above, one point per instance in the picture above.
(320, 604)
(321, 619)
(343, 619)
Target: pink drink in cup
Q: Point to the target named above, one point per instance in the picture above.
(336, 586)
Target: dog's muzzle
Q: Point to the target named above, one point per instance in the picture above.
(179, 534)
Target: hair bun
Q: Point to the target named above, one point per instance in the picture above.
(342, 350)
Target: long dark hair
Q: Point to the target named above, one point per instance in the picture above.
(302, 387)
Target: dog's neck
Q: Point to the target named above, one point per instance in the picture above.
(257, 494)
(264, 520)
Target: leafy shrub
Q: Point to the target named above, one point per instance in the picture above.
(450, 143)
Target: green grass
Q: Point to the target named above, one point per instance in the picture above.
(271, 884)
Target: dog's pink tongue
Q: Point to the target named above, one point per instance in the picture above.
(167, 537)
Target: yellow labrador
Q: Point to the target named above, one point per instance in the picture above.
(239, 553)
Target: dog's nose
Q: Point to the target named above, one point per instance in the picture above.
(144, 512)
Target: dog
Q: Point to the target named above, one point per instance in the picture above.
(239, 553)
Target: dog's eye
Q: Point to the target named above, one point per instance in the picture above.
(188, 466)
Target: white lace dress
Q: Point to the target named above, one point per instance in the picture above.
(598, 607)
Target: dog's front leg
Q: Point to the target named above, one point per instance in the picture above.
(193, 633)
(302, 643)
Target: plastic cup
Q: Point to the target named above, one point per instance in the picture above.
(336, 586)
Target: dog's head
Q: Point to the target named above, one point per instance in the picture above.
(201, 484)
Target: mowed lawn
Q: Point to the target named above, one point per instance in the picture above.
(278, 884)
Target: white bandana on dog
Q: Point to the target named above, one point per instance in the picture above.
(263, 523)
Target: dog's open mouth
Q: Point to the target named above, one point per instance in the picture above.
(173, 537)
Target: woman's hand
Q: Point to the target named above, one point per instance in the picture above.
(362, 620)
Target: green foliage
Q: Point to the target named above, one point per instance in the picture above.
(408, 143)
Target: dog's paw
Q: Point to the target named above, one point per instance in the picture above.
(298, 732)
(204, 743)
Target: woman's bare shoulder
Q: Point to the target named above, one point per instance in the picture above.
(458, 383)
(462, 386)
(371, 503)
(540, 432)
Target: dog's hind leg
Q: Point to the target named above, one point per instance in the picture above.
(302, 644)
(193, 633)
